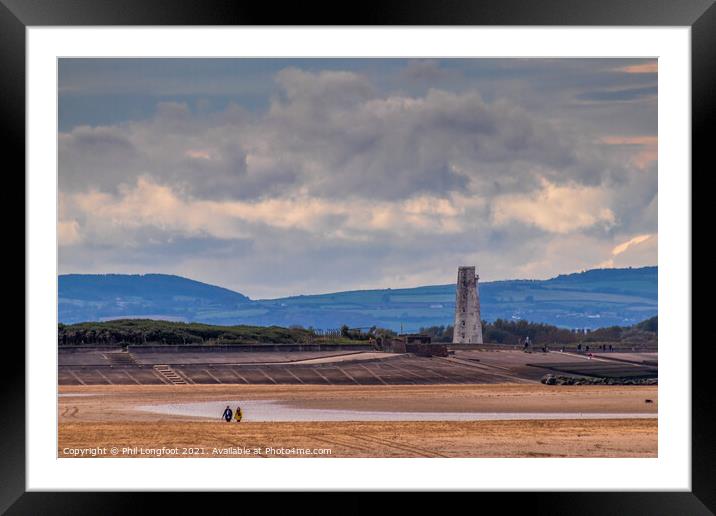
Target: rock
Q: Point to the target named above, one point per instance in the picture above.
(549, 379)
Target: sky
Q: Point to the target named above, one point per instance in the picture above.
(278, 177)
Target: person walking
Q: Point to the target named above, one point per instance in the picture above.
(238, 414)
(227, 414)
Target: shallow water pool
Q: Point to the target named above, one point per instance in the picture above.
(277, 411)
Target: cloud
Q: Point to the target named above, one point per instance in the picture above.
(651, 67)
(556, 209)
(426, 70)
(619, 95)
(624, 246)
(198, 154)
(331, 134)
(148, 204)
(633, 251)
(301, 89)
(348, 180)
(68, 232)
(646, 148)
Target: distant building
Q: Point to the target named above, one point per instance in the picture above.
(468, 326)
(415, 343)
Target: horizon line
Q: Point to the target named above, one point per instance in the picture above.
(342, 291)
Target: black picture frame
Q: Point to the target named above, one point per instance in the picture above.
(700, 15)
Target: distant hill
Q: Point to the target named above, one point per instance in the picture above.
(590, 299)
(94, 297)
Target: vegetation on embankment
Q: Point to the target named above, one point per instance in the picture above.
(515, 332)
(148, 331)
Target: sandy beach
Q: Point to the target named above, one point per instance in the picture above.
(500, 420)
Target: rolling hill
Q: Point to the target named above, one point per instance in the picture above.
(95, 297)
(590, 299)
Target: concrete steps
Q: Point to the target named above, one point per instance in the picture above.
(121, 358)
(169, 374)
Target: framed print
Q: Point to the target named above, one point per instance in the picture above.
(432, 250)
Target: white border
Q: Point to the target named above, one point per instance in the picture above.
(671, 471)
